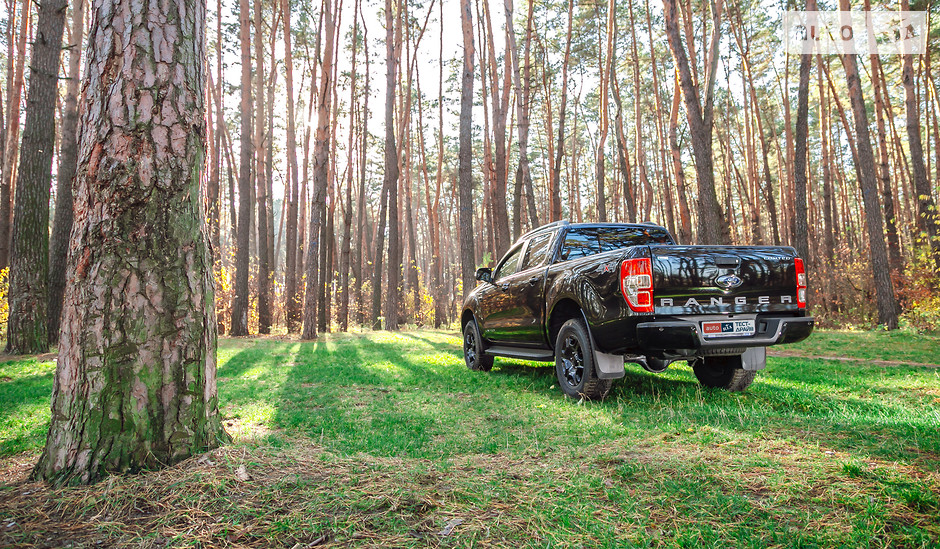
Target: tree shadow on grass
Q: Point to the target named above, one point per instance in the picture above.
(395, 395)
(398, 394)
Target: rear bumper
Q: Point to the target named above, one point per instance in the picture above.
(680, 336)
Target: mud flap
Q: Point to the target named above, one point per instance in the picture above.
(608, 366)
(755, 358)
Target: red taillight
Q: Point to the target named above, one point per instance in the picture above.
(636, 283)
(800, 283)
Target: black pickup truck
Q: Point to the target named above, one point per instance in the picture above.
(592, 296)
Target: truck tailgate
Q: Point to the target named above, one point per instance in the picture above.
(696, 280)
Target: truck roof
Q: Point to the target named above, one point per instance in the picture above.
(565, 222)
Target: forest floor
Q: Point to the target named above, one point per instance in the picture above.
(386, 440)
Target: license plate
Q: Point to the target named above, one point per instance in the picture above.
(728, 328)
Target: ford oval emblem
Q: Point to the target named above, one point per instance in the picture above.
(728, 281)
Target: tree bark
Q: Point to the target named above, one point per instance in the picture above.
(801, 224)
(600, 165)
(554, 183)
(68, 160)
(135, 385)
(928, 219)
(884, 288)
(320, 177)
(12, 137)
(29, 260)
(467, 261)
(345, 249)
(242, 249)
(292, 298)
(712, 228)
(264, 267)
(522, 92)
(361, 228)
(392, 53)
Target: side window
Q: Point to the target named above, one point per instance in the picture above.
(579, 243)
(537, 251)
(508, 266)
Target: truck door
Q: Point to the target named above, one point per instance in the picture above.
(496, 310)
(526, 294)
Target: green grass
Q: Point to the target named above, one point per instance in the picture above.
(382, 439)
(898, 345)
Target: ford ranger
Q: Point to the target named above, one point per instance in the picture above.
(591, 296)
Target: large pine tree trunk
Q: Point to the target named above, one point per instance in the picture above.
(68, 159)
(29, 261)
(135, 384)
(242, 251)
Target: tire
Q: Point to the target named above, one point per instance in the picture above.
(574, 363)
(473, 352)
(723, 372)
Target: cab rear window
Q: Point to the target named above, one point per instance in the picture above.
(582, 242)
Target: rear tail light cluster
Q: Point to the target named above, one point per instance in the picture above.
(636, 283)
(800, 283)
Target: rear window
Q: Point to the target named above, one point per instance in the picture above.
(589, 241)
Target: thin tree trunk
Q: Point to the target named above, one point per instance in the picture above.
(928, 220)
(500, 106)
(29, 262)
(605, 69)
(215, 179)
(392, 53)
(361, 228)
(242, 250)
(264, 268)
(801, 224)
(320, 178)
(554, 185)
(467, 261)
(437, 274)
(12, 137)
(292, 297)
(139, 336)
(68, 161)
(712, 227)
(884, 172)
(522, 91)
(884, 289)
(344, 255)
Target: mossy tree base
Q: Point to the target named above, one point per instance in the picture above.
(135, 384)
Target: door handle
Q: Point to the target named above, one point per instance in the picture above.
(533, 280)
(504, 287)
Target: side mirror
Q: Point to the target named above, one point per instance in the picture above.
(485, 274)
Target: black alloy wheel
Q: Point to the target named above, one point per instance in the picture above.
(473, 353)
(574, 363)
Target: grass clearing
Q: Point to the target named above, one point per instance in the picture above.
(387, 440)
